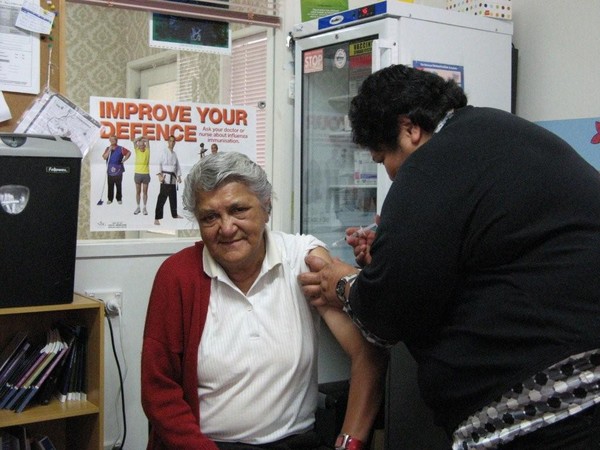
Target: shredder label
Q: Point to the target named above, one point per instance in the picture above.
(58, 170)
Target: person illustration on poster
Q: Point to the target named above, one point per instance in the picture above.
(141, 177)
(203, 150)
(115, 157)
(214, 148)
(169, 175)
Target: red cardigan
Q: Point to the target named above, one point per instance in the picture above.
(174, 323)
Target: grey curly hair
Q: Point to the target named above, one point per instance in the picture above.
(221, 168)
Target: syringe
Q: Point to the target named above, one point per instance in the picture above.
(361, 231)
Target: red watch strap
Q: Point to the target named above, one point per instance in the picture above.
(347, 442)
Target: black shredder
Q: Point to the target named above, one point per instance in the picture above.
(39, 199)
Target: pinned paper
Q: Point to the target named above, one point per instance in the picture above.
(34, 18)
(4, 110)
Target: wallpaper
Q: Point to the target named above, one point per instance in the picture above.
(100, 42)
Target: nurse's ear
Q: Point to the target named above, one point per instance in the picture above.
(410, 135)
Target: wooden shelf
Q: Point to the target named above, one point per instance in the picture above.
(54, 410)
(79, 302)
(73, 424)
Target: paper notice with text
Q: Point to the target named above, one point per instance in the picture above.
(19, 52)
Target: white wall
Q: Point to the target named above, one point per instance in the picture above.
(127, 266)
(559, 68)
(558, 78)
(283, 120)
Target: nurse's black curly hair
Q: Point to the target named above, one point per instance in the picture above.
(423, 97)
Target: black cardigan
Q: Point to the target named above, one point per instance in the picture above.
(487, 259)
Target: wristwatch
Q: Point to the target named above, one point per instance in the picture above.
(340, 287)
(347, 442)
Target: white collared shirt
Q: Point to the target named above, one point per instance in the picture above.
(257, 359)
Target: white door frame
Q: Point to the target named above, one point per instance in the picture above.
(135, 68)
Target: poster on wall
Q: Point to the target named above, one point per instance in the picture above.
(446, 71)
(118, 171)
(313, 9)
(186, 33)
(582, 134)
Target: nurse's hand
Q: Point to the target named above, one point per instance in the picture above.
(319, 284)
(360, 240)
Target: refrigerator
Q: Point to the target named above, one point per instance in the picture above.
(336, 185)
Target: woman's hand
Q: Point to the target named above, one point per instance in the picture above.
(361, 240)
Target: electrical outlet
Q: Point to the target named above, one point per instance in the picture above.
(113, 300)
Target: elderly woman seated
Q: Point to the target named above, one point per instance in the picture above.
(229, 357)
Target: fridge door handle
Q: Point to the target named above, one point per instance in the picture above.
(385, 53)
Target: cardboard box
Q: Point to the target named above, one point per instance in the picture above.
(497, 9)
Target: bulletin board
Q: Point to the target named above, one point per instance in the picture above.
(19, 102)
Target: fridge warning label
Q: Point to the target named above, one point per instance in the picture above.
(313, 61)
(361, 48)
(361, 54)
